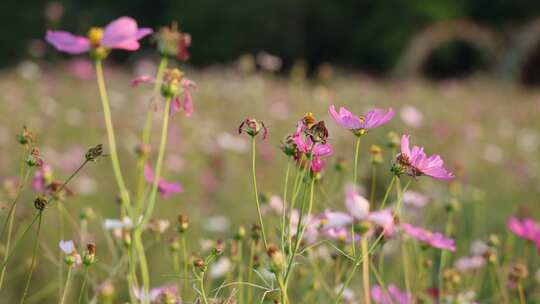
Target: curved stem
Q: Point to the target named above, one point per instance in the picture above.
(66, 286)
(34, 255)
(203, 292)
(185, 261)
(355, 168)
(284, 211)
(254, 175)
(124, 194)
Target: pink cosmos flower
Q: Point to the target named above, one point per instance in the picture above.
(415, 162)
(470, 263)
(394, 295)
(315, 150)
(360, 124)
(165, 188)
(42, 178)
(122, 33)
(526, 228)
(433, 239)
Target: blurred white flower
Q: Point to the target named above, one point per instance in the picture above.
(67, 246)
(411, 116)
(479, 247)
(493, 154)
(217, 223)
(85, 185)
(470, 263)
(415, 199)
(110, 224)
(220, 268)
(29, 70)
(269, 62)
(227, 141)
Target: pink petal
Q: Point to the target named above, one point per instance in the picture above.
(140, 80)
(149, 173)
(67, 42)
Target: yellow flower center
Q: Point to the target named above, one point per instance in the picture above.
(95, 35)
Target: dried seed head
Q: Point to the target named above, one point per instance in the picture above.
(34, 158)
(40, 203)
(94, 153)
(252, 127)
(518, 272)
(25, 137)
(171, 83)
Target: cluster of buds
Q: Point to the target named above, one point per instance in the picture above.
(172, 83)
(183, 223)
(94, 153)
(25, 138)
(376, 155)
(34, 158)
(277, 259)
(173, 43)
(253, 127)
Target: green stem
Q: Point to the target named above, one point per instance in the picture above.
(10, 220)
(83, 286)
(387, 193)
(66, 286)
(239, 273)
(147, 131)
(253, 171)
(152, 200)
(356, 152)
(185, 261)
(124, 194)
(442, 261)
(250, 269)
(373, 183)
(284, 211)
(34, 257)
(365, 269)
(203, 292)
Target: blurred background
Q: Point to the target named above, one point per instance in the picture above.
(439, 39)
(462, 76)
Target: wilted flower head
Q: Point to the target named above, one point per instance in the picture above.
(165, 188)
(122, 33)
(173, 43)
(433, 239)
(252, 127)
(360, 124)
(416, 163)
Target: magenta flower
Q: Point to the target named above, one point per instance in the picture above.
(122, 33)
(526, 228)
(394, 295)
(415, 162)
(433, 239)
(314, 150)
(360, 124)
(165, 188)
(184, 101)
(42, 178)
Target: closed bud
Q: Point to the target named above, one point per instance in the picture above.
(90, 255)
(218, 249)
(277, 260)
(183, 223)
(240, 234)
(494, 240)
(143, 150)
(94, 153)
(376, 154)
(87, 213)
(174, 245)
(25, 137)
(252, 127)
(393, 140)
(199, 264)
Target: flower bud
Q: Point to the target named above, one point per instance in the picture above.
(40, 203)
(90, 255)
(94, 153)
(252, 127)
(277, 260)
(199, 264)
(174, 245)
(143, 150)
(183, 223)
(87, 213)
(376, 154)
(25, 137)
(218, 249)
(288, 146)
(171, 83)
(255, 233)
(107, 292)
(393, 140)
(241, 233)
(494, 240)
(341, 164)
(34, 158)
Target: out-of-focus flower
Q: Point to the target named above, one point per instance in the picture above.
(72, 257)
(165, 294)
(416, 163)
(360, 124)
(394, 295)
(81, 68)
(54, 11)
(493, 154)
(470, 263)
(173, 43)
(165, 188)
(184, 101)
(230, 142)
(220, 268)
(269, 62)
(433, 239)
(42, 178)
(411, 116)
(526, 229)
(415, 199)
(275, 204)
(122, 33)
(217, 223)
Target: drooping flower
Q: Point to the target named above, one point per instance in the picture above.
(173, 43)
(165, 188)
(394, 295)
(122, 33)
(360, 124)
(184, 101)
(433, 239)
(416, 163)
(252, 127)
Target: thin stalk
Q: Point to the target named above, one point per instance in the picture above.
(203, 292)
(34, 257)
(147, 131)
(442, 261)
(284, 211)
(83, 286)
(387, 193)
(239, 273)
(253, 171)
(185, 261)
(355, 179)
(66, 286)
(152, 200)
(373, 183)
(10, 220)
(521, 293)
(365, 269)
(124, 194)
(250, 269)
(402, 244)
